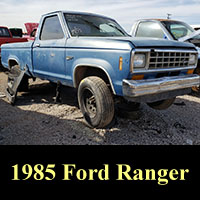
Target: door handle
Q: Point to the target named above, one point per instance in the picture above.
(69, 58)
(37, 45)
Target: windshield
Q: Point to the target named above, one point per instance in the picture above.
(4, 32)
(179, 29)
(87, 25)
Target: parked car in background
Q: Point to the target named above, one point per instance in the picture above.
(16, 32)
(94, 54)
(170, 30)
(196, 27)
(7, 37)
(31, 29)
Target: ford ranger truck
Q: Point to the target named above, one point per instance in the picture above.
(170, 30)
(94, 54)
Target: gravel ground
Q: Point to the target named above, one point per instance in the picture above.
(37, 120)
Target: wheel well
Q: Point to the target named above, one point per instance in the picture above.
(12, 63)
(82, 72)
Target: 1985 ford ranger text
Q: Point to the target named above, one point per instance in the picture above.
(95, 55)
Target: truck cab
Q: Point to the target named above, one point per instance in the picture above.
(94, 54)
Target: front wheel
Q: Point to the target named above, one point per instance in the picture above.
(96, 102)
(161, 105)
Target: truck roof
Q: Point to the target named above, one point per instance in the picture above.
(161, 20)
(76, 12)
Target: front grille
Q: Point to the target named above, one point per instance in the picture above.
(168, 59)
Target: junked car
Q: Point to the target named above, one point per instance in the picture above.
(94, 54)
(170, 30)
(196, 27)
(7, 37)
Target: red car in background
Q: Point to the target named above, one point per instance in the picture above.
(7, 37)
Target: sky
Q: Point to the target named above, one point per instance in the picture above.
(14, 13)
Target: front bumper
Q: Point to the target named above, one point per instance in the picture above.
(159, 88)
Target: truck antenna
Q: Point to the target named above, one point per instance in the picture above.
(169, 16)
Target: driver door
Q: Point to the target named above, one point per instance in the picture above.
(49, 50)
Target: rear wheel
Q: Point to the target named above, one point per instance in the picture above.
(96, 102)
(126, 109)
(161, 105)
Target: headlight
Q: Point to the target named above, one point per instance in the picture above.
(192, 59)
(139, 60)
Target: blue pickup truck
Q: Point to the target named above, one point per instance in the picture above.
(95, 55)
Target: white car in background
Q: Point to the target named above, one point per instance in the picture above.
(195, 27)
(170, 30)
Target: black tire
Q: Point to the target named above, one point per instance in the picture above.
(129, 110)
(128, 106)
(96, 102)
(14, 73)
(161, 105)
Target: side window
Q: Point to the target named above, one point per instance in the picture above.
(51, 29)
(4, 32)
(150, 29)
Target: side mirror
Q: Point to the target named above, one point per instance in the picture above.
(33, 33)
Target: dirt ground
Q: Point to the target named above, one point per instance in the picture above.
(37, 120)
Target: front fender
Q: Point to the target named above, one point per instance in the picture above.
(96, 63)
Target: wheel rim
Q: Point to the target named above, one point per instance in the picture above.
(89, 102)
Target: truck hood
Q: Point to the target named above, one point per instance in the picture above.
(124, 43)
(30, 27)
(115, 43)
(153, 42)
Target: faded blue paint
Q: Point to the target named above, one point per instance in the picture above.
(108, 60)
(20, 52)
(48, 60)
